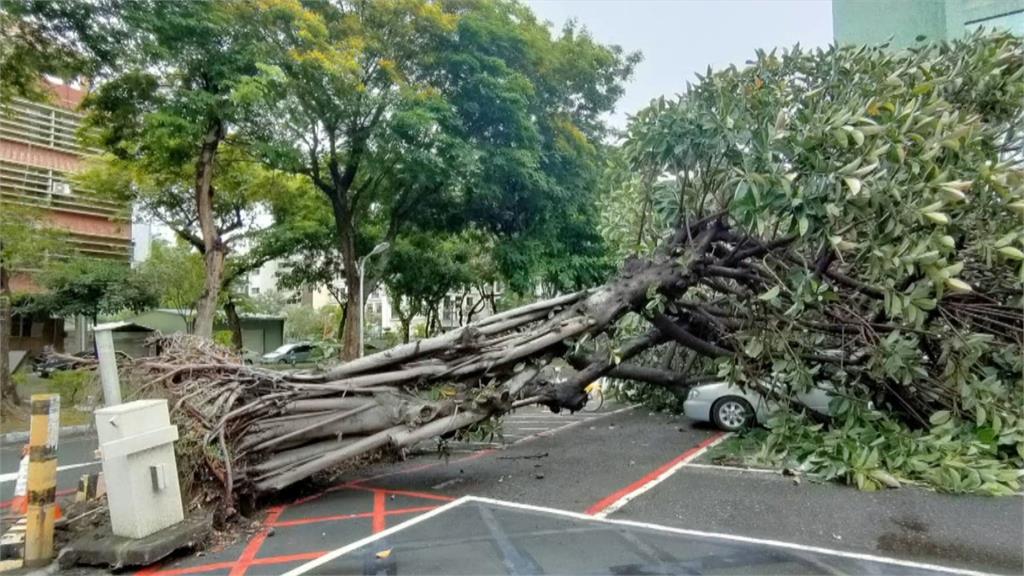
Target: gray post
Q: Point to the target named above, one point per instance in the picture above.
(108, 366)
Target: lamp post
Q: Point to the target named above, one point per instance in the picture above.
(362, 296)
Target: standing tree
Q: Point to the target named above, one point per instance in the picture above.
(166, 111)
(450, 112)
(25, 243)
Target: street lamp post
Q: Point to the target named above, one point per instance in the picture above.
(362, 295)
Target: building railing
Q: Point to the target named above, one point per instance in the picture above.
(37, 124)
(43, 188)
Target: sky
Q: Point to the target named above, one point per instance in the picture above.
(680, 38)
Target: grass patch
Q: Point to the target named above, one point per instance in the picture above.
(19, 421)
(72, 385)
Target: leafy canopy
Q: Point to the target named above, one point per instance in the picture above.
(891, 185)
(439, 116)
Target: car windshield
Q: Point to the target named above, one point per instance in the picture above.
(284, 349)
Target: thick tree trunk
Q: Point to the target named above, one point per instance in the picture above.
(234, 323)
(206, 309)
(350, 261)
(353, 317)
(8, 392)
(214, 250)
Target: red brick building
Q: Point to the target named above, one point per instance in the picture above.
(39, 151)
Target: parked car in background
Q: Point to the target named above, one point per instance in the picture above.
(731, 408)
(294, 353)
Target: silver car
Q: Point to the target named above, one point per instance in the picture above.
(731, 408)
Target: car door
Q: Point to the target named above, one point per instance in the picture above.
(300, 353)
(817, 398)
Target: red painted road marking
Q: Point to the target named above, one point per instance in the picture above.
(153, 570)
(611, 502)
(253, 548)
(339, 517)
(409, 493)
(379, 506)
(269, 560)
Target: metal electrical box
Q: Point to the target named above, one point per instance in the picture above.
(137, 448)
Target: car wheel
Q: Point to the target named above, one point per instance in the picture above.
(732, 413)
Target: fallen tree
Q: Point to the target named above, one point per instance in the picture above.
(849, 216)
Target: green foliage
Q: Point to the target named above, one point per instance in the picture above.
(223, 337)
(72, 385)
(872, 450)
(433, 118)
(176, 271)
(62, 38)
(894, 182)
(304, 323)
(91, 287)
(26, 241)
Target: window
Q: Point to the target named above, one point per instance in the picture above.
(24, 327)
(59, 187)
(254, 291)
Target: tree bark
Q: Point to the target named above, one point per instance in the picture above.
(234, 323)
(8, 392)
(214, 249)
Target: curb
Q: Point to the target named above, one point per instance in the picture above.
(65, 432)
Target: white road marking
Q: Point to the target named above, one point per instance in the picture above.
(733, 468)
(303, 569)
(553, 431)
(626, 498)
(12, 476)
(387, 532)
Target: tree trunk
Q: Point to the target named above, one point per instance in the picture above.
(350, 261)
(234, 323)
(214, 250)
(206, 310)
(8, 392)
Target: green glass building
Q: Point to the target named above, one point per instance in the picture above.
(904, 22)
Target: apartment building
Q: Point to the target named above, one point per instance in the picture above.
(904, 23)
(39, 153)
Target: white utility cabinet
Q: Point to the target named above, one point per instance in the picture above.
(137, 447)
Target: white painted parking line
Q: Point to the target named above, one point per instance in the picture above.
(732, 468)
(12, 476)
(334, 554)
(384, 533)
(553, 431)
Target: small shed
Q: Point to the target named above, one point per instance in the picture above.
(261, 333)
(129, 337)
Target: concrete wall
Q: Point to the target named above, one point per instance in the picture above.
(876, 21)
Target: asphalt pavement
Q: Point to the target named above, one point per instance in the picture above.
(974, 532)
(580, 463)
(75, 456)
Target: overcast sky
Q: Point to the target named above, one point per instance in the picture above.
(679, 38)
